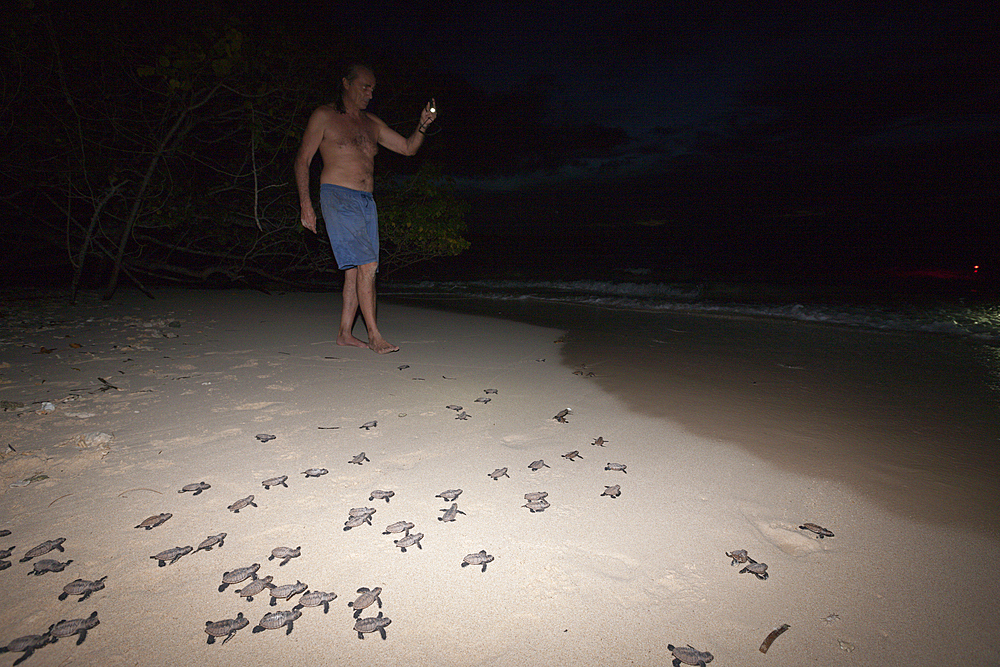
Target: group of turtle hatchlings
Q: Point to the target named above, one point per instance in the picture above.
(536, 501)
(28, 644)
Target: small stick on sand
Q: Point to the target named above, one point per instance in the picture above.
(59, 498)
(766, 644)
(139, 489)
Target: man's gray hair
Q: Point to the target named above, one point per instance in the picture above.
(351, 73)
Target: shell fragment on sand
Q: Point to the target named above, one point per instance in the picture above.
(820, 531)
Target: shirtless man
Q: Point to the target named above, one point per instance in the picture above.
(347, 138)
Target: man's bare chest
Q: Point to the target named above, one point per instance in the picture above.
(353, 136)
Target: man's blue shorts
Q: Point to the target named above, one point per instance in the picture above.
(351, 221)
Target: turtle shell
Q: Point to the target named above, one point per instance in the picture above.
(240, 574)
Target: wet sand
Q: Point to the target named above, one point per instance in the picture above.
(733, 432)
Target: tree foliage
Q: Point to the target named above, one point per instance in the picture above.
(420, 218)
(170, 154)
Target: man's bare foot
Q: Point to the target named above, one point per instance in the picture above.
(382, 346)
(350, 341)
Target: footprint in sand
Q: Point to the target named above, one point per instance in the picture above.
(786, 537)
(676, 586)
(516, 442)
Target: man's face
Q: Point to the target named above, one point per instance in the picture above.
(359, 90)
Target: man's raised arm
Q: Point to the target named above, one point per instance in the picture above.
(405, 145)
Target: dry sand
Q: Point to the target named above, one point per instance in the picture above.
(733, 432)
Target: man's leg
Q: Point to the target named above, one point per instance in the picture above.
(350, 311)
(366, 301)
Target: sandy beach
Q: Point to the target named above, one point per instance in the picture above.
(733, 433)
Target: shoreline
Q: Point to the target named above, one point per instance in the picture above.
(891, 381)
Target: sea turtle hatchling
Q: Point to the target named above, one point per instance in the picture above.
(265, 437)
(152, 522)
(241, 504)
(361, 511)
(456, 408)
(196, 488)
(286, 591)
(538, 465)
(536, 495)
(398, 527)
(409, 541)
(539, 505)
(450, 494)
(450, 513)
(357, 520)
(4, 564)
(277, 619)
(27, 644)
(758, 570)
(572, 456)
(599, 441)
(82, 587)
(561, 416)
(463, 416)
(285, 554)
(359, 459)
(369, 425)
(612, 491)
(48, 565)
(481, 558)
(490, 391)
(689, 655)
(820, 531)
(275, 481)
(379, 494)
(315, 472)
(316, 599)
(211, 541)
(5, 553)
(171, 556)
(255, 587)
(483, 399)
(739, 556)
(44, 548)
(372, 624)
(76, 626)
(498, 473)
(367, 598)
(238, 575)
(616, 466)
(225, 628)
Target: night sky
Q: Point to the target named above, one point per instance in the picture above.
(864, 127)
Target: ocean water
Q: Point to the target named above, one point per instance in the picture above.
(974, 317)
